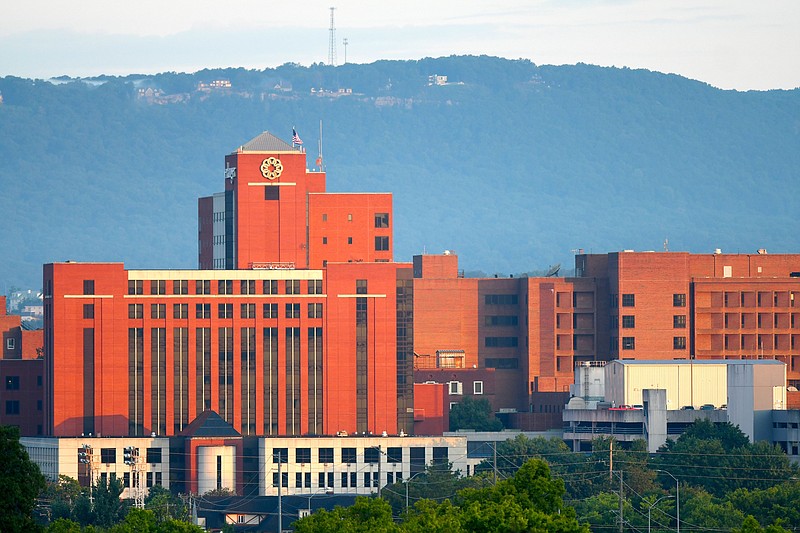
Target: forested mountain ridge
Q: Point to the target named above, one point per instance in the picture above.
(510, 164)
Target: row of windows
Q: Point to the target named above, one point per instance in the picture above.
(109, 455)
(381, 243)
(203, 286)
(224, 310)
(381, 219)
(629, 343)
(371, 454)
(761, 320)
(501, 299)
(456, 388)
(326, 479)
(629, 300)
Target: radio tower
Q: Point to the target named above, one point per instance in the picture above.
(332, 45)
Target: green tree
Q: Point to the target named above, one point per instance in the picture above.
(365, 515)
(108, 508)
(470, 413)
(165, 505)
(20, 483)
(769, 505)
(63, 525)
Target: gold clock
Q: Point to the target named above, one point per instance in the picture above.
(271, 168)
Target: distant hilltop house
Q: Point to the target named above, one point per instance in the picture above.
(157, 96)
(436, 79)
(213, 85)
(283, 87)
(1, 98)
(332, 94)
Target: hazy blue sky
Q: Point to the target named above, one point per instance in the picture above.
(731, 44)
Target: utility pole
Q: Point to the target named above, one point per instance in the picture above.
(380, 453)
(280, 482)
(611, 459)
(621, 520)
(495, 462)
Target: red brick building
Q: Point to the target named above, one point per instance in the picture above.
(291, 328)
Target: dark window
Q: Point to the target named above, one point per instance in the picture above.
(502, 362)
(501, 342)
(371, 455)
(349, 240)
(12, 382)
(280, 455)
(180, 310)
(158, 310)
(158, 286)
(509, 320)
(270, 286)
(88, 310)
(628, 343)
(248, 310)
(248, 286)
(180, 286)
(679, 300)
(381, 220)
(361, 286)
(345, 477)
(135, 310)
(88, 286)
(224, 286)
(394, 454)
(270, 310)
(108, 455)
(315, 286)
(324, 240)
(225, 310)
(679, 321)
(12, 407)
(292, 286)
(298, 480)
(303, 455)
(628, 321)
(135, 286)
(381, 244)
(154, 455)
(314, 310)
(501, 299)
(203, 286)
(293, 310)
(326, 455)
(679, 343)
(440, 454)
(284, 478)
(628, 300)
(349, 455)
(203, 310)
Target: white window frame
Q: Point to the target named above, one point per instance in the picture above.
(11, 344)
(455, 387)
(477, 388)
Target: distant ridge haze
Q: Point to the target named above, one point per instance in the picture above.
(511, 165)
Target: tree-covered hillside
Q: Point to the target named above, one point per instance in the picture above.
(509, 164)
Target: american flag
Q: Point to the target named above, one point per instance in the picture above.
(296, 138)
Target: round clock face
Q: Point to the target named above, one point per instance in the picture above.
(271, 168)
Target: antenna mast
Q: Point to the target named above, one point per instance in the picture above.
(332, 44)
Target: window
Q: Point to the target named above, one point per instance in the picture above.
(202, 286)
(12, 407)
(349, 240)
(180, 310)
(248, 286)
(280, 455)
(88, 286)
(224, 286)
(501, 342)
(108, 455)
(158, 286)
(349, 455)
(679, 321)
(454, 387)
(315, 286)
(135, 286)
(248, 310)
(501, 299)
(394, 454)
(679, 300)
(349, 217)
(679, 343)
(628, 343)
(180, 286)
(303, 455)
(477, 387)
(270, 310)
(314, 310)
(88, 310)
(345, 477)
(324, 240)
(270, 286)
(154, 456)
(12, 382)
(324, 217)
(292, 286)
(225, 310)
(326, 455)
(509, 320)
(371, 455)
(613, 322)
(284, 479)
(361, 286)
(381, 220)
(203, 310)
(613, 302)
(381, 244)
(293, 310)
(628, 321)
(10, 344)
(158, 310)
(628, 300)
(135, 310)
(502, 362)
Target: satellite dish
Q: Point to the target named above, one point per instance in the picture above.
(553, 271)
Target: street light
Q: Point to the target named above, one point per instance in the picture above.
(677, 499)
(650, 508)
(407, 483)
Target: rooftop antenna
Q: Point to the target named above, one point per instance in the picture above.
(345, 42)
(319, 157)
(666, 245)
(332, 45)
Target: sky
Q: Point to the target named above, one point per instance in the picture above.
(730, 44)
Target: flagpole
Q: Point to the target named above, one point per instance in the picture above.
(319, 159)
